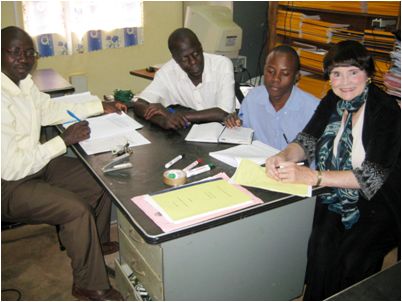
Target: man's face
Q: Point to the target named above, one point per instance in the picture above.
(280, 74)
(190, 58)
(16, 67)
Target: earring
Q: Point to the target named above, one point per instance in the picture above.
(368, 80)
(330, 82)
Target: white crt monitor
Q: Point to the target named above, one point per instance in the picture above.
(215, 29)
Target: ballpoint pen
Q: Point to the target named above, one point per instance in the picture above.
(284, 135)
(172, 111)
(73, 115)
(299, 164)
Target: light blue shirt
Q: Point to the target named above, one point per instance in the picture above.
(271, 127)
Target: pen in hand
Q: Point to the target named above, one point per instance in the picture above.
(73, 115)
(281, 167)
(172, 111)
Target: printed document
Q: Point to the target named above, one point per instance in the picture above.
(257, 152)
(251, 174)
(217, 133)
(199, 199)
(109, 130)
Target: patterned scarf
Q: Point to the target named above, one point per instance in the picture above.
(342, 201)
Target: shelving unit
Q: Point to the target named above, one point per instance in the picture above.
(358, 22)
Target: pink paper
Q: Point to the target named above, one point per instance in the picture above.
(167, 226)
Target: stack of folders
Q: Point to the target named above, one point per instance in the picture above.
(289, 23)
(312, 60)
(319, 31)
(379, 41)
(313, 84)
(392, 79)
(338, 35)
(312, 4)
(349, 6)
(388, 8)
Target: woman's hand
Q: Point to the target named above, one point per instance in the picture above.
(271, 163)
(290, 172)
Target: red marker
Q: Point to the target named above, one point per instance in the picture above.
(192, 165)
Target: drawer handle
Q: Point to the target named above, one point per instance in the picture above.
(133, 262)
(135, 236)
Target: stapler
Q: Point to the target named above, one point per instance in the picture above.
(119, 163)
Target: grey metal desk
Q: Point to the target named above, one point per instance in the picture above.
(258, 253)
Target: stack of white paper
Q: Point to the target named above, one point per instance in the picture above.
(257, 152)
(110, 130)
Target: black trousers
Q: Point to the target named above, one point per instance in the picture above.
(339, 257)
(64, 193)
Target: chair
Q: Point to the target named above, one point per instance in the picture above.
(5, 225)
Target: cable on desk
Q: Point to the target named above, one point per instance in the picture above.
(13, 290)
(123, 95)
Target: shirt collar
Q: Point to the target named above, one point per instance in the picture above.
(11, 88)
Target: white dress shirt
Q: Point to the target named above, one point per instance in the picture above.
(24, 110)
(172, 86)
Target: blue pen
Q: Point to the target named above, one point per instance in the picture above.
(73, 115)
(241, 116)
(172, 111)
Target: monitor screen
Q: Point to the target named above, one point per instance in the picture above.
(215, 29)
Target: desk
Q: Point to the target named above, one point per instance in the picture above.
(143, 73)
(49, 81)
(258, 253)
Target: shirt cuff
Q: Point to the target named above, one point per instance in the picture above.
(55, 147)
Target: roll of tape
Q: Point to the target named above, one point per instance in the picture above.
(174, 177)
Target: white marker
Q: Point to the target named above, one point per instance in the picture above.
(192, 165)
(200, 170)
(173, 161)
(299, 164)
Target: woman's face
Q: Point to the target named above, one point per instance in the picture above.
(348, 82)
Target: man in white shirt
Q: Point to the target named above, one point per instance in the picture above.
(40, 186)
(193, 79)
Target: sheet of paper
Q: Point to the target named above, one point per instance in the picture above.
(197, 200)
(251, 174)
(167, 226)
(94, 146)
(109, 125)
(258, 152)
(76, 98)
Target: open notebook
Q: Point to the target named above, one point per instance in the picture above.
(217, 133)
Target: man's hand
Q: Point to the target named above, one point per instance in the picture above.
(154, 109)
(110, 107)
(76, 133)
(174, 121)
(232, 121)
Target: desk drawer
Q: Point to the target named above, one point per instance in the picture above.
(123, 283)
(150, 252)
(141, 269)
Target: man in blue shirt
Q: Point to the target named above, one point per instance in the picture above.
(277, 111)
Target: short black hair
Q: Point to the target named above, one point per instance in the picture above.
(289, 50)
(348, 53)
(12, 31)
(181, 34)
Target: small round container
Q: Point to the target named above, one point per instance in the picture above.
(174, 177)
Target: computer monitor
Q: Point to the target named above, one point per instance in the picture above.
(215, 29)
